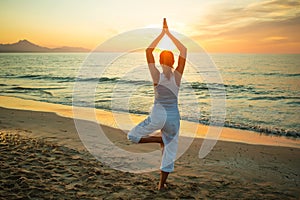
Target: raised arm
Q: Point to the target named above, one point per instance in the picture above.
(182, 49)
(150, 58)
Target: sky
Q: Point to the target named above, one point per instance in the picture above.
(247, 26)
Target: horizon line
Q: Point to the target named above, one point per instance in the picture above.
(118, 51)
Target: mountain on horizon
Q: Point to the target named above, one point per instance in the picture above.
(26, 46)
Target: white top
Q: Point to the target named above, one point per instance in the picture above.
(166, 91)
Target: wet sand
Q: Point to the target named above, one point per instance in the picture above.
(42, 157)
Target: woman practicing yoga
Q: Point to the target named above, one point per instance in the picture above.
(165, 114)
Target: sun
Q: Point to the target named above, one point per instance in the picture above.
(166, 44)
(153, 26)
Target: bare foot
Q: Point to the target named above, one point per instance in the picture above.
(162, 187)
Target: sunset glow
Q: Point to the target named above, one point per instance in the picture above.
(249, 26)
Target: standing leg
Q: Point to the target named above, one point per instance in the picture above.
(170, 141)
(163, 179)
(157, 139)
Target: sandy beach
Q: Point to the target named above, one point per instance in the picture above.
(42, 157)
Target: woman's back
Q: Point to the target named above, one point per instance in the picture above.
(166, 91)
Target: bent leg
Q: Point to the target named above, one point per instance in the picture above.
(139, 134)
(151, 139)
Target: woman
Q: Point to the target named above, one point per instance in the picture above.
(165, 114)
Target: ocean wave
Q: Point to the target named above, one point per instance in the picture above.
(206, 86)
(62, 79)
(276, 74)
(273, 98)
(102, 79)
(193, 85)
(137, 82)
(197, 86)
(280, 74)
(102, 100)
(294, 103)
(221, 87)
(133, 111)
(36, 88)
(266, 130)
(28, 90)
(257, 128)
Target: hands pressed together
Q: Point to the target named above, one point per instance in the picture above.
(165, 29)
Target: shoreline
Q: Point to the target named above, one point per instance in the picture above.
(126, 121)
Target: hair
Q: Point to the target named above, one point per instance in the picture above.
(166, 58)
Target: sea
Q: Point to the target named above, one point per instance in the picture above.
(262, 91)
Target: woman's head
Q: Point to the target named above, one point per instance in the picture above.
(166, 58)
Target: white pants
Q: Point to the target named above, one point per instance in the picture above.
(166, 120)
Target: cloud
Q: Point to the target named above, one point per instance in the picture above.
(280, 3)
(226, 16)
(261, 23)
(275, 38)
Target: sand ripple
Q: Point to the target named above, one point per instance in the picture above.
(37, 169)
